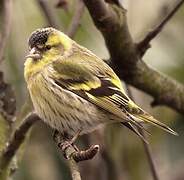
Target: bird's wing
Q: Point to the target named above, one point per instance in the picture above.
(95, 88)
(102, 88)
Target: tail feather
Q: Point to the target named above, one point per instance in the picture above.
(135, 130)
(150, 119)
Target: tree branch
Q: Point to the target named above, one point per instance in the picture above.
(6, 25)
(15, 142)
(76, 20)
(145, 43)
(111, 21)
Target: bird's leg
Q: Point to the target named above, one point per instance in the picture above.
(70, 142)
(65, 141)
(66, 144)
(75, 136)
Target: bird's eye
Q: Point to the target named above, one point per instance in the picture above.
(48, 47)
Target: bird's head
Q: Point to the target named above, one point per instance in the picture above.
(45, 46)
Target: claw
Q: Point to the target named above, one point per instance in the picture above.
(67, 142)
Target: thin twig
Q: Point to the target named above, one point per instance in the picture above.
(16, 140)
(51, 19)
(6, 25)
(76, 20)
(149, 157)
(145, 43)
(74, 169)
(146, 145)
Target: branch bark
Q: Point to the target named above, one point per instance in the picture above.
(111, 20)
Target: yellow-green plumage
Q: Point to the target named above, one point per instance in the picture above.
(72, 89)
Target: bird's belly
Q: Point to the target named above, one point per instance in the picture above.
(67, 112)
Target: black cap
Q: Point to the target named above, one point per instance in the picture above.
(39, 36)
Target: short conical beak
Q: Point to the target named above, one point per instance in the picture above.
(34, 54)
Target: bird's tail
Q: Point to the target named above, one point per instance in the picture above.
(145, 117)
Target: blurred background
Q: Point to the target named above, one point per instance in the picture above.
(122, 155)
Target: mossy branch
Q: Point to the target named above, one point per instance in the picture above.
(111, 20)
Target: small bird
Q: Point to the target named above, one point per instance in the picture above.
(73, 90)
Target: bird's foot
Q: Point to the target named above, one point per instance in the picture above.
(66, 142)
(70, 150)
